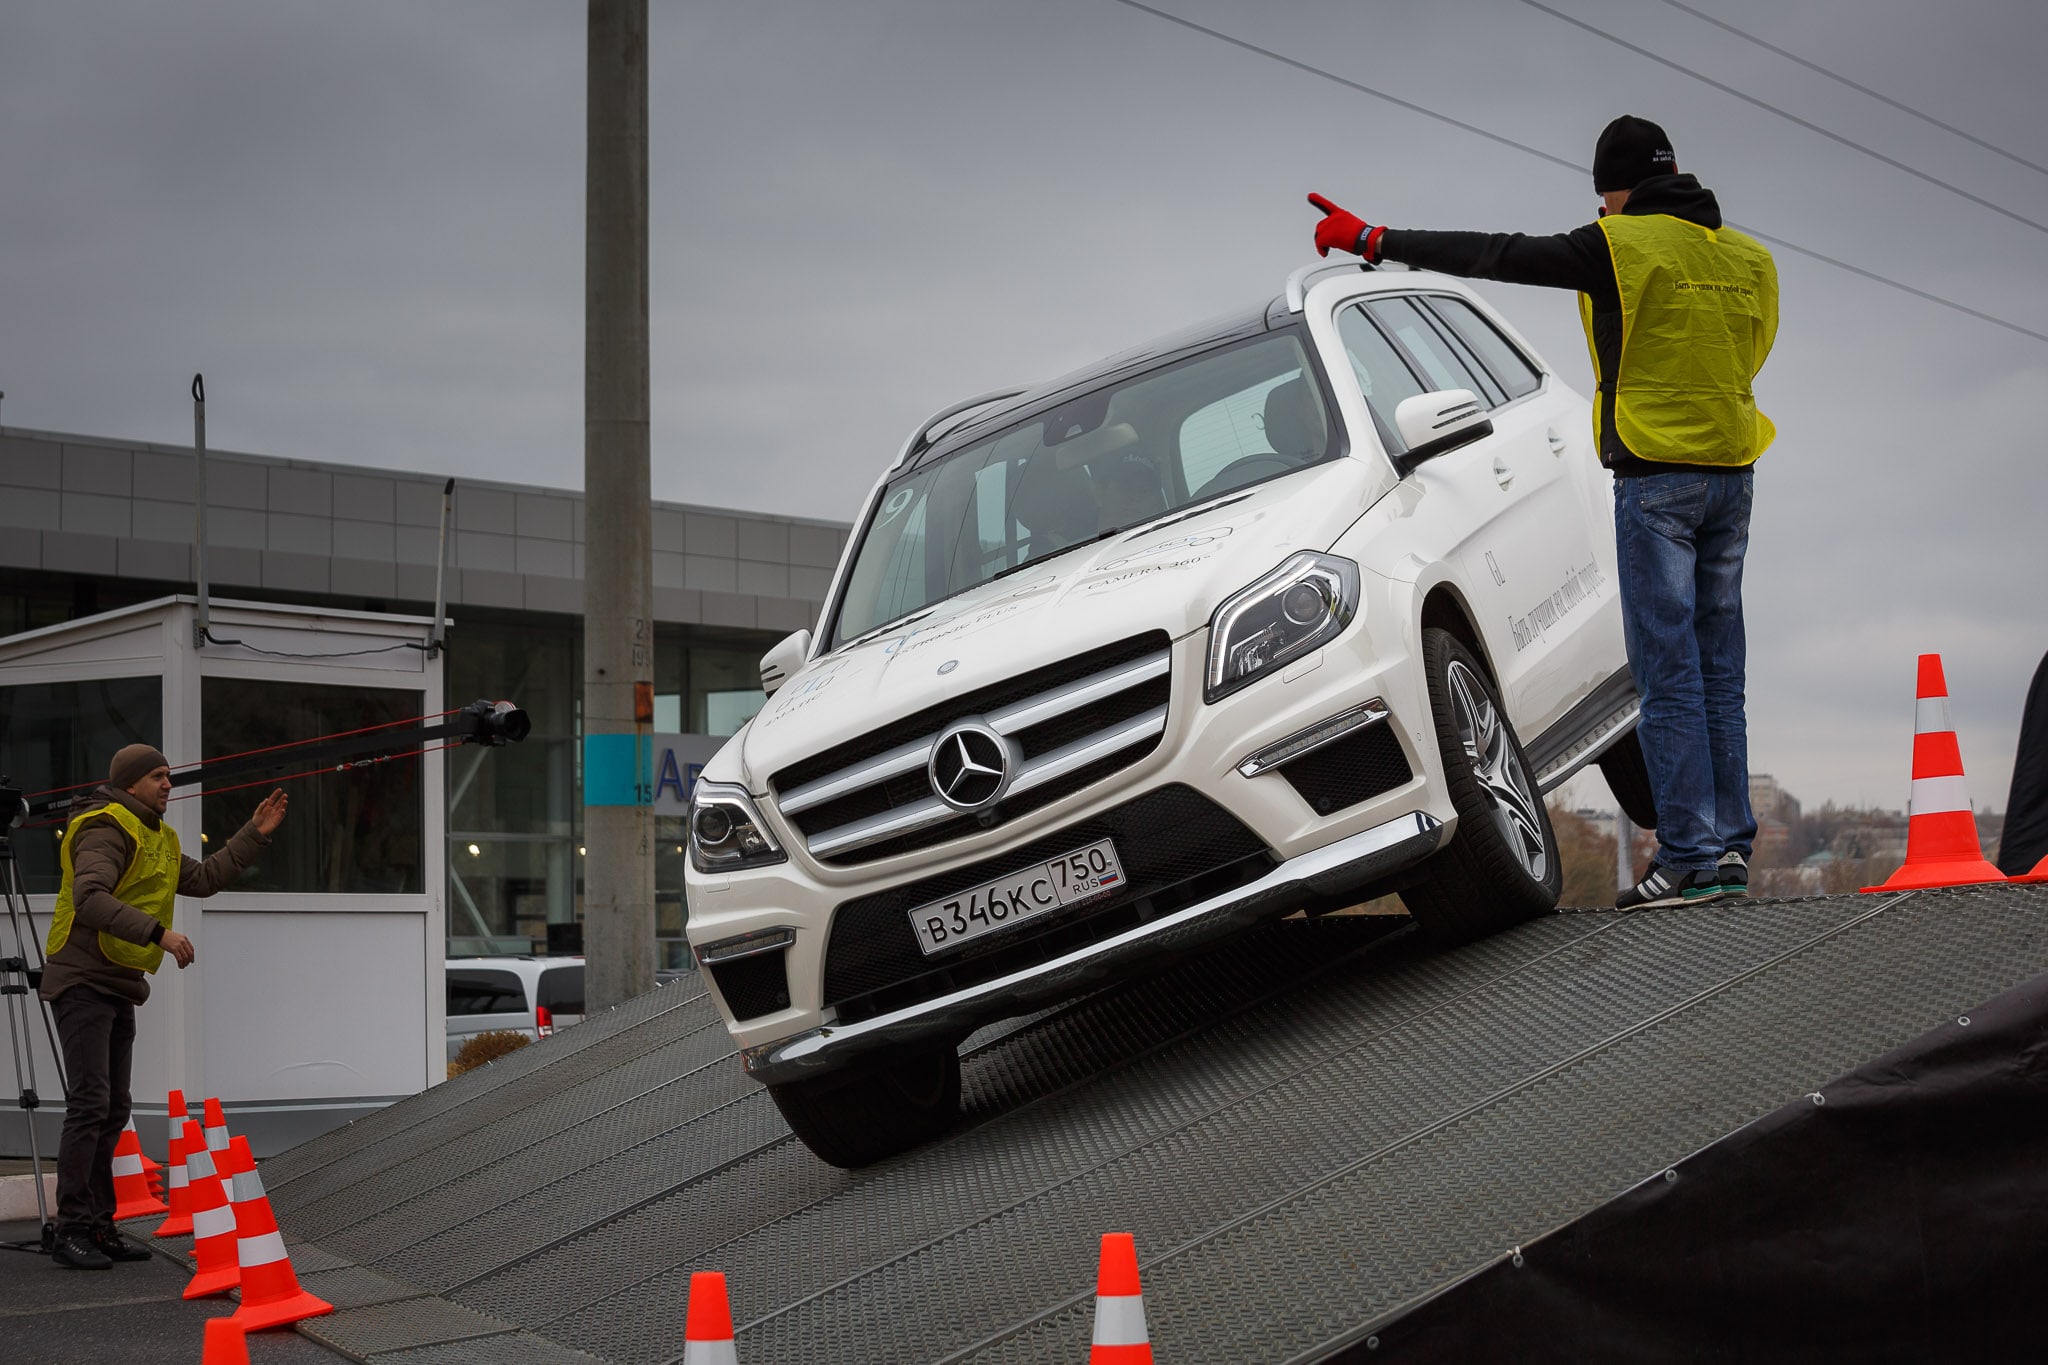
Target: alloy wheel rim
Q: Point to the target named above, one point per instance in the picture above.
(1491, 753)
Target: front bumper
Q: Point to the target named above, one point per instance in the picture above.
(1336, 867)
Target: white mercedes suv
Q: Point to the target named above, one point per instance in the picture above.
(1294, 609)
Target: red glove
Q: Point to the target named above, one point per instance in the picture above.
(1344, 230)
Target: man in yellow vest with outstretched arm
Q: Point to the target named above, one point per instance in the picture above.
(1680, 311)
(123, 871)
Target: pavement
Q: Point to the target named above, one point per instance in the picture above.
(132, 1313)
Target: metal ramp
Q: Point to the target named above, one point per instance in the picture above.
(1309, 1131)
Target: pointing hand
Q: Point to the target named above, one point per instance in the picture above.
(1340, 228)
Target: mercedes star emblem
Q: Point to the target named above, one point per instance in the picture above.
(970, 766)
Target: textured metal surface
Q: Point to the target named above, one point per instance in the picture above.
(351, 1286)
(365, 1332)
(512, 1348)
(1307, 1130)
(330, 1161)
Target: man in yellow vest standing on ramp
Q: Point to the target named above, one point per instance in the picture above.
(123, 871)
(1680, 312)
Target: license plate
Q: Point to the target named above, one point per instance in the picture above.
(948, 923)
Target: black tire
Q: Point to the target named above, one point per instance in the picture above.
(1628, 777)
(857, 1117)
(1502, 866)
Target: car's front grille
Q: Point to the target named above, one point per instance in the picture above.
(1176, 847)
(1066, 725)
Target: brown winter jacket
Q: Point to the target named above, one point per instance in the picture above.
(99, 859)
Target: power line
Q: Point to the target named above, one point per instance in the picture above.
(1785, 114)
(1839, 78)
(1568, 164)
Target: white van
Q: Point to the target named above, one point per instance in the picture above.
(529, 995)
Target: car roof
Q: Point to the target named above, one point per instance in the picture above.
(1235, 325)
(1232, 326)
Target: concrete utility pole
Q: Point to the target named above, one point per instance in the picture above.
(618, 565)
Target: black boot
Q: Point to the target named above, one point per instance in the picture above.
(75, 1249)
(115, 1247)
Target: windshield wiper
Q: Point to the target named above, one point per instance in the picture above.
(1050, 554)
(885, 626)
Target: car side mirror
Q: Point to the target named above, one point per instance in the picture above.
(1432, 424)
(785, 659)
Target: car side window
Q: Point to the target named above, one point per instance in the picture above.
(1433, 351)
(1495, 351)
(475, 990)
(561, 989)
(1382, 375)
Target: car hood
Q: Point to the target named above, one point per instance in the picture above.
(1167, 577)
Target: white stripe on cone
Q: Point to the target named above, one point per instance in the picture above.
(1930, 716)
(710, 1353)
(212, 1222)
(1935, 795)
(127, 1165)
(1120, 1320)
(261, 1250)
(178, 1177)
(248, 1186)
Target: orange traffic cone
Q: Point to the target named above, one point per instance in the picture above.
(174, 1124)
(132, 1197)
(213, 1221)
(225, 1343)
(2039, 874)
(1941, 833)
(1120, 1337)
(152, 1169)
(177, 1194)
(271, 1296)
(707, 1336)
(216, 1128)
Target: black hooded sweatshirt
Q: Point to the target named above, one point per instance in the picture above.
(1579, 260)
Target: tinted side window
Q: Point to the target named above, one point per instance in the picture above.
(1382, 375)
(561, 989)
(473, 990)
(1438, 358)
(1495, 351)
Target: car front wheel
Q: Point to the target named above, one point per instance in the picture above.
(1502, 866)
(856, 1117)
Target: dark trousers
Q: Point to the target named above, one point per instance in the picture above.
(97, 1033)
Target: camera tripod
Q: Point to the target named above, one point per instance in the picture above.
(19, 982)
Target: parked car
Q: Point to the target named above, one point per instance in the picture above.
(529, 995)
(1303, 606)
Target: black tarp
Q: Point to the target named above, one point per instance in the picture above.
(1904, 1218)
(2025, 841)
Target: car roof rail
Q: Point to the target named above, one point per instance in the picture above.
(1297, 283)
(919, 437)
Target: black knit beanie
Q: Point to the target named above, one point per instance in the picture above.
(1630, 151)
(132, 764)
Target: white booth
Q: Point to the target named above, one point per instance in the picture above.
(317, 993)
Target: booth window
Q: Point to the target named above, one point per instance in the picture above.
(62, 734)
(351, 829)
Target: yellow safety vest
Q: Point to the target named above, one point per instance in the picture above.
(1699, 310)
(150, 885)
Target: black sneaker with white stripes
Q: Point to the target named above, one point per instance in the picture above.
(1733, 873)
(1663, 885)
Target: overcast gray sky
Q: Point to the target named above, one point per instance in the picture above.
(363, 222)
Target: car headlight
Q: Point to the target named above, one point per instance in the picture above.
(1303, 604)
(726, 832)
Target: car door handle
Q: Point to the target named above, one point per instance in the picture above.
(1557, 442)
(1501, 473)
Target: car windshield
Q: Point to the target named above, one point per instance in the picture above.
(1112, 458)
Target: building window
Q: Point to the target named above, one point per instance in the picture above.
(64, 734)
(354, 830)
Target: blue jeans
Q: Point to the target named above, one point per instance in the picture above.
(1680, 539)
